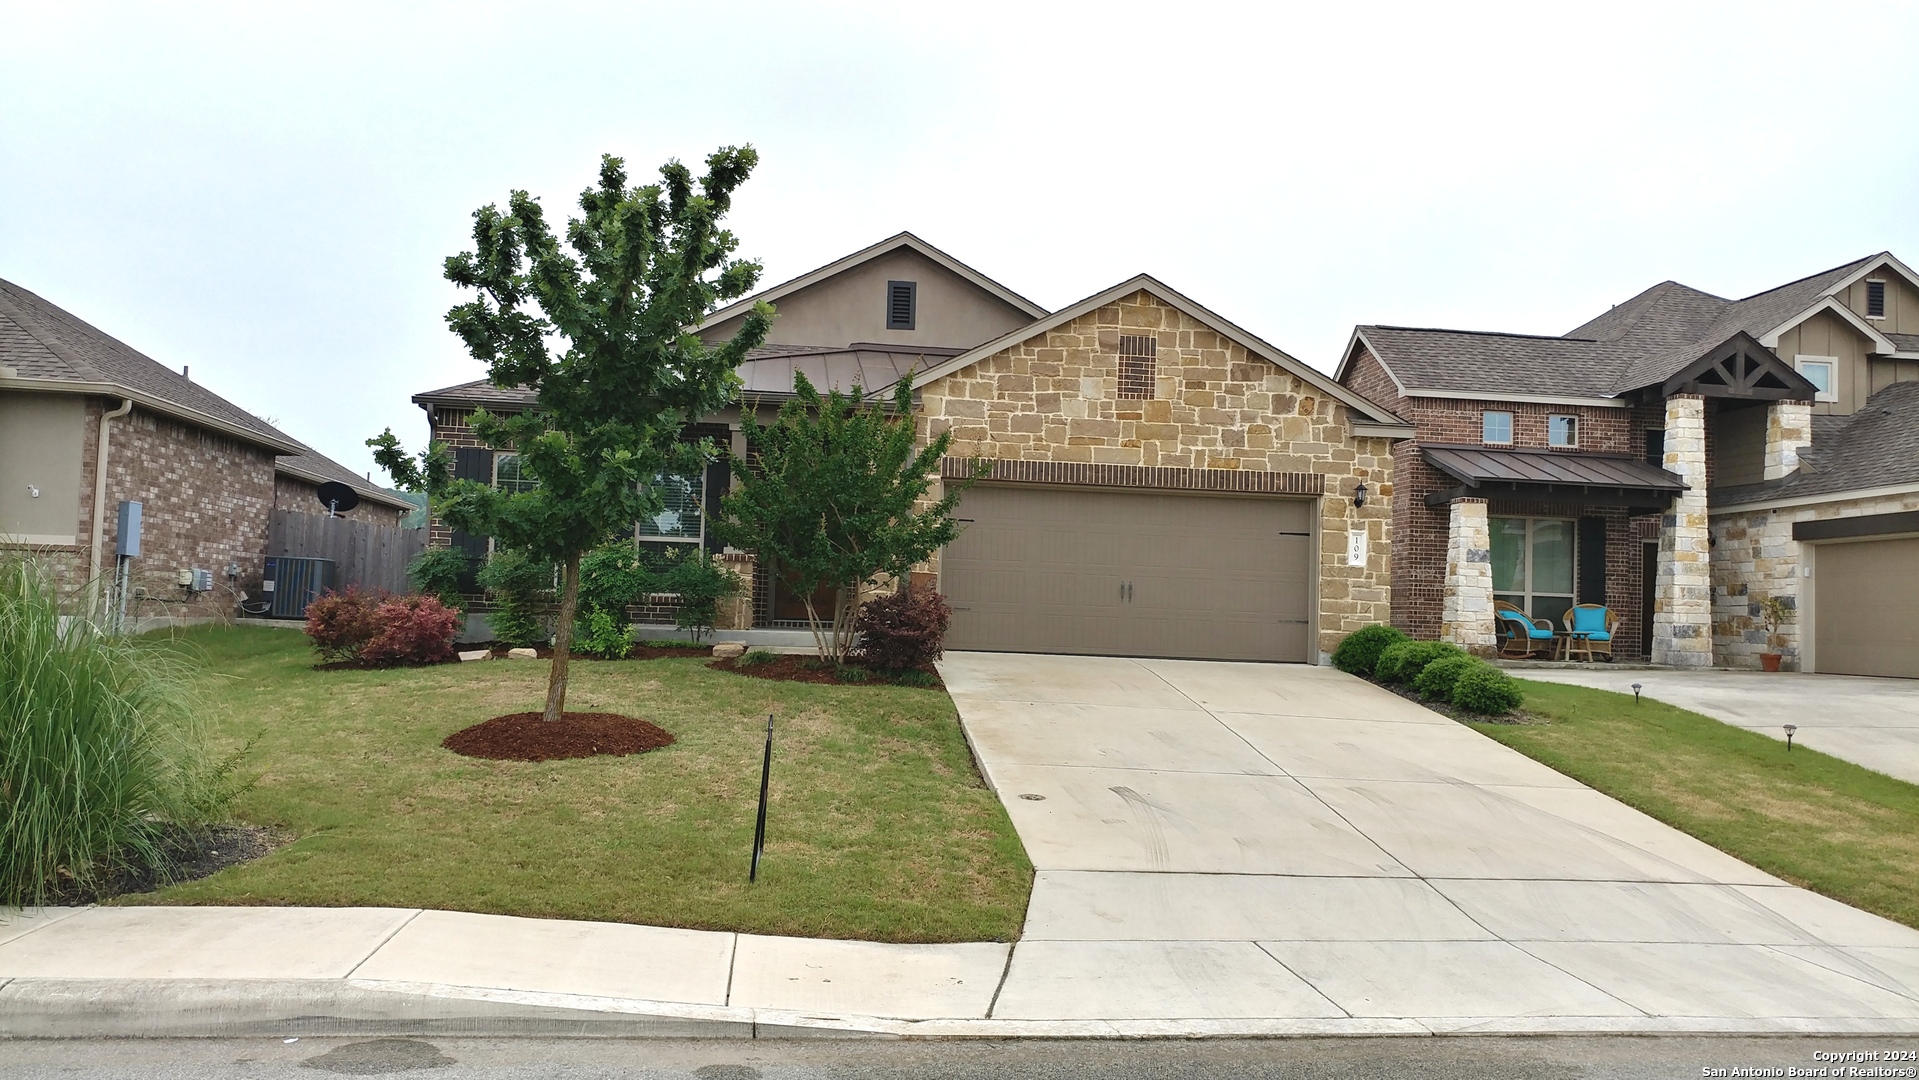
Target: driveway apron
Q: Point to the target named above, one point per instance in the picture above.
(1221, 841)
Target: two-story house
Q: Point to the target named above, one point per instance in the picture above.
(1680, 458)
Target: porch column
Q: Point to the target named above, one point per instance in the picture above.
(1466, 616)
(1682, 599)
(1788, 431)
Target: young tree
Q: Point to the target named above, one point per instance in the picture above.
(832, 497)
(600, 336)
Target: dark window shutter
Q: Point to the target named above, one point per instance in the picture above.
(901, 297)
(1592, 560)
(1656, 448)
(472, 463)
(718, 481)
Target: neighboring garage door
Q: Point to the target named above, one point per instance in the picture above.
(1059, 570)
(1866, 608)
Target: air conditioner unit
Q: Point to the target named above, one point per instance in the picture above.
(294, 583)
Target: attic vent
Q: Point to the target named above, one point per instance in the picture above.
(1138, 360)
(900, 302)
(1875, 299)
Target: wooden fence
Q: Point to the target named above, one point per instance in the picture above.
(370, 556)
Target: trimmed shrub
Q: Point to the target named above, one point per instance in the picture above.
(1358, 652)
(703, 584)
(99, 752)
(413, 630)
(756, 657)
(613, 578)
(439, 573)
(1484, 689)
(1436, 682)
(521, 590)
(342, 624)
(1403, 662)
(604, 636)
(903, 632)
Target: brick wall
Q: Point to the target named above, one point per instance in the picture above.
(1054, 397)
(1418, 572)
(293, 493)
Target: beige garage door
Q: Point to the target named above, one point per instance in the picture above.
(1130, 574)
(1866, 608)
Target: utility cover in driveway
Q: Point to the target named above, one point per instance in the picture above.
(1056, 570)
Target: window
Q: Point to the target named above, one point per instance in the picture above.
(507, 475)
(1138, 365)
(1533, 565)
(1875, 299)
(1822, 372)
(901, 301)
(681, 518)
(1562, 431)
(1656, 447)
(1496, 427)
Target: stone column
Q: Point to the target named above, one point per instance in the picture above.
(737, 613)
(1682, 601)
(1788, 431)
(1466, 617)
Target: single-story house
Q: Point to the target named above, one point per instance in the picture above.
(87, 421)
(1163, 482)
(1680, 458)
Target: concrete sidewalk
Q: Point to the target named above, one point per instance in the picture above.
(1869, 722)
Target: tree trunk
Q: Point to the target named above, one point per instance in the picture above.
(813, 624)
(563, 640)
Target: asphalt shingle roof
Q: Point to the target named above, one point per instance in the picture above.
(1874, 447)
(40, 340)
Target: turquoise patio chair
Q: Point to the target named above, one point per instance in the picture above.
(1589, 630)
(1520, 636)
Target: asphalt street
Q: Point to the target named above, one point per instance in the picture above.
(1446, 1058)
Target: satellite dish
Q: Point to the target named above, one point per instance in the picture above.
(336, 497)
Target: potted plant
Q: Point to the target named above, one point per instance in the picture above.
(1774, 611)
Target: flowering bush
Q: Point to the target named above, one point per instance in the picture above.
(413, 630)
(905, 631)
(340, 624)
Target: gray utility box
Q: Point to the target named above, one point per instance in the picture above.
(291, 584)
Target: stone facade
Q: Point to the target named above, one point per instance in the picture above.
(1682, 606)
(1754, 557)
(1467, 614)
(1788, 431)
(1213, 407)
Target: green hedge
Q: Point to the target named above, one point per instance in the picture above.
(1358, 652)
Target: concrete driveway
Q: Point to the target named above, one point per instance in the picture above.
(1219, 843)
(1870, 722)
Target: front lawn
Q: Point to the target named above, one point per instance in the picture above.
(880, 827)
(1816, 821)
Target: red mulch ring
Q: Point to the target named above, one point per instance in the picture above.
(526, 737)
(795, 667)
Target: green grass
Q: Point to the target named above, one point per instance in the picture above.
(1814, 820)
(879, 828)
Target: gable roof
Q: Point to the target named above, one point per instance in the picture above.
(1369, 414)
(47, 348)
(867, 254)
(1640, 343)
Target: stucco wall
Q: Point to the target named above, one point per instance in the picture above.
(1753, 557)
(1054, 397)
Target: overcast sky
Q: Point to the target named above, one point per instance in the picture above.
(266, 192)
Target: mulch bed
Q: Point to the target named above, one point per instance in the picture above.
(794, 667)
(1451, 711)
(527, 737)
(190, 854)
(362, 665)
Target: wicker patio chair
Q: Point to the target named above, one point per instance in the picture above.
(1521, 637)
(1590, 629)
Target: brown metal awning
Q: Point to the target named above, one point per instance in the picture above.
(1555, 476)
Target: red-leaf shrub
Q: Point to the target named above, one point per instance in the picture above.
(903, 632)
(340, 624)
(413, 630)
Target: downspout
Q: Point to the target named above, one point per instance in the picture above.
(100, 487)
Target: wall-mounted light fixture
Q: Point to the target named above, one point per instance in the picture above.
(1359, 495)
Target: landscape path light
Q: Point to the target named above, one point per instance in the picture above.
(1635, 693)
(1790, 728)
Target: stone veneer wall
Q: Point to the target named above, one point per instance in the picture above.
(1682, 611)
(1753, 557)
(1053, 397)
(1467, 614)
(1788, 431)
